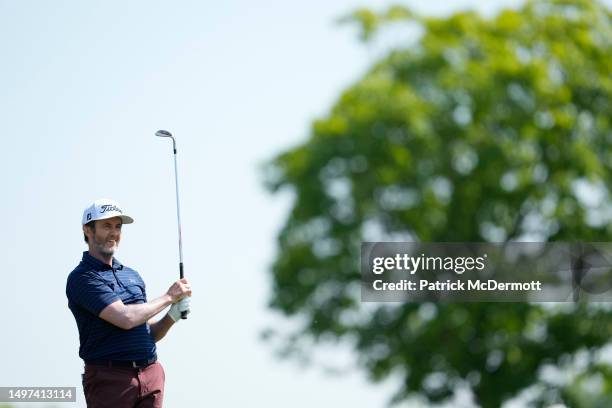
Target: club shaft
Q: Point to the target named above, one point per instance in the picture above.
(178, 214)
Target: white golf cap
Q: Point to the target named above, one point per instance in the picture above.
(104, 208)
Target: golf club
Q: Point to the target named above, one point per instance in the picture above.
(165, 133)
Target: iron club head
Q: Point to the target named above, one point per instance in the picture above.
(163, 133)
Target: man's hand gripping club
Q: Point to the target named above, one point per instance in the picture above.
(180, 292)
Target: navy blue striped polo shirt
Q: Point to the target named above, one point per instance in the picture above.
(92, 286)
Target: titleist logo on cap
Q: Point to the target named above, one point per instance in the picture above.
(108, 207)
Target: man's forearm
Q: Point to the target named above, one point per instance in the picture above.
(160, 327)
(137, 314)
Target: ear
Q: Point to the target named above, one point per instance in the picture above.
(87, 230)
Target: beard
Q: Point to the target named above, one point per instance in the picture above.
(105, 248)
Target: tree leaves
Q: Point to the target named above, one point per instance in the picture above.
(483, 130)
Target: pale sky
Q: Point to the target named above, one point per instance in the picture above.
(84, 87)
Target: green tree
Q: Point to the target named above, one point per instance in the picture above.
(480, 130)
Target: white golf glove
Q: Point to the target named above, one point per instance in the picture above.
(178, 307)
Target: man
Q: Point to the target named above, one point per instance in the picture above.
(116, 333)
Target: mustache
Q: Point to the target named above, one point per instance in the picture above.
(107, 241)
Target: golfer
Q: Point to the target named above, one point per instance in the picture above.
(116, 333)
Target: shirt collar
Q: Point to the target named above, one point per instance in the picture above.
(98, 264)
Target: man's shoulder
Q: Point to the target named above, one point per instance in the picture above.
(75, 277)
(77, 271)
(82, 272)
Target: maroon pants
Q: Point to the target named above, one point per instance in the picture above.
(119, 387)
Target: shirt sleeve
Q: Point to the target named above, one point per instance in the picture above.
(144, 291)
(90, 292)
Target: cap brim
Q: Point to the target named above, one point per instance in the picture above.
(126, 219)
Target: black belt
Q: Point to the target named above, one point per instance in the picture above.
(123, 363)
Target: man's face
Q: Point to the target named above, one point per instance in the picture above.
(105, 237)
